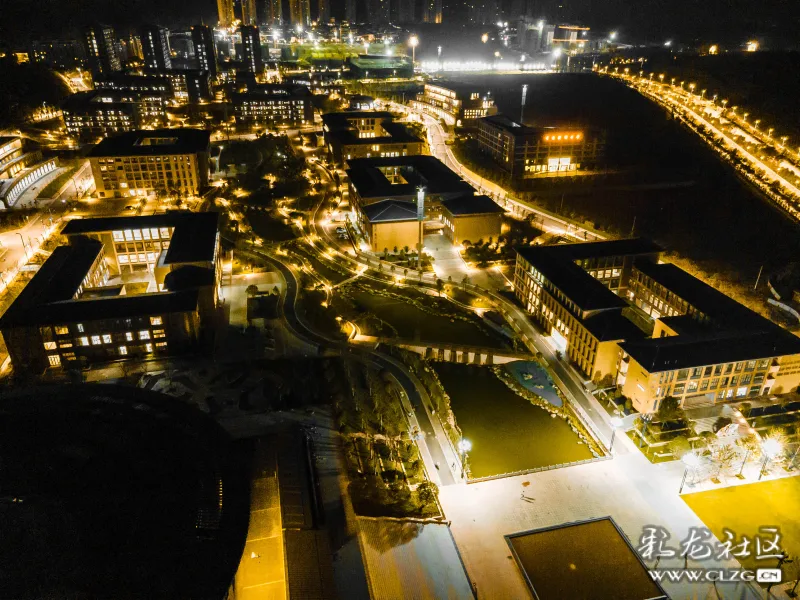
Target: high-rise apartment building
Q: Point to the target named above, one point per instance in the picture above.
(205, 52)
(251, 49)
(299, 12)
(101, 51)
(155, 47)
(270, 12)
(246, 11)
(225, 12)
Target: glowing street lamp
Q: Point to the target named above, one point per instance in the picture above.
(485, 38)
(691, 461)
(413, 41)
(464, 446)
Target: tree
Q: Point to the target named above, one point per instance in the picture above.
(465, 282)
(680, 446)
(427, 492)
(439, 286)
(251, 290)
(669, 409)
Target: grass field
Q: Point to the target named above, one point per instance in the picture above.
(745, 508)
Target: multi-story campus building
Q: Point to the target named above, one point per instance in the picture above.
(205, 51)
(91, 116)
(529, 152)
(455, 104)
(19, 169)
(273, 104)
(155, 47)
(621, 316)
(100, 44)
(251, 49)
(141, 162)
(384, 195)
(77, 309)
(365, 134)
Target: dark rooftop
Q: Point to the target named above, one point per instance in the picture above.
(194, 238)
(612, 325)
(623, 247)
(580, 287)
(684, 351)
(719, 307)
(470, 204)
(388, 211)
(58, 280)
(271, 91)
(158, 141)
(421, 170)
(338, 126)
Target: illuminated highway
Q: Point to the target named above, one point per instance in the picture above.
(773, 167)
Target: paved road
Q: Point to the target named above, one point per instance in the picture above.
(394, 367)
(439, 148)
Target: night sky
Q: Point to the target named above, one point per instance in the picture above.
(726, 21)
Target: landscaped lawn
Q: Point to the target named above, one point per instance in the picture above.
(413, 323)
(507, 432)
(745, 508)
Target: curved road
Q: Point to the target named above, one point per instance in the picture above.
(301, 330)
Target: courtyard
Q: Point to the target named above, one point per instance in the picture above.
(508, 433)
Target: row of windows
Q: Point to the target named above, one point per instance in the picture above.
(55, 359)
(80, 328)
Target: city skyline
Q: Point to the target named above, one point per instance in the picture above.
(633, 20)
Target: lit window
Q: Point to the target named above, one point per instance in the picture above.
(80, 327)
(95, 340)
(129, 336)
(123, 350)
(149, 347)
(55, 360)
(128, 235)
(144, 335)
(106, 338)
(156, 321)
(118, 236)
(65, 345)
(84, 341)
(62, 330)
(49, 345)
(161, 344)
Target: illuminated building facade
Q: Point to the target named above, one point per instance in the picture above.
(20, 169)
(141, 162)
(100, 44)
(273, 104)
(91, 116)
(205, 51)
(529, 152)
(225, 13)
(155, 47)
(75, 310)
(251, 49)
(366, 134)
(471, 218)
(453, 104)
(622, 317)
